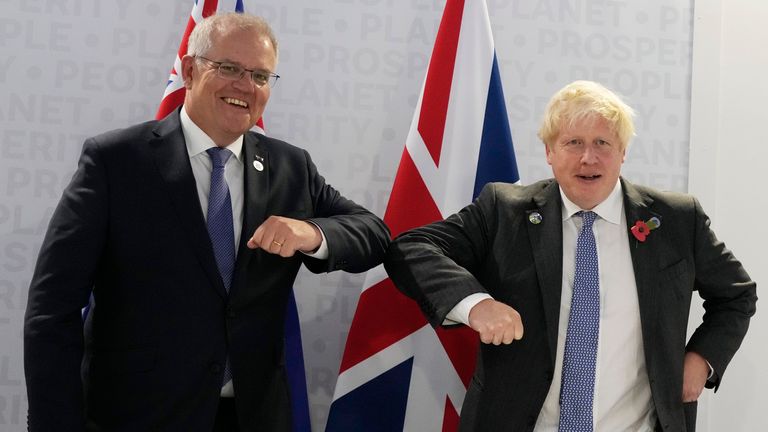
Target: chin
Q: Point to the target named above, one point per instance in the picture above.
(586, 202)
(240, 128)
(593, 202)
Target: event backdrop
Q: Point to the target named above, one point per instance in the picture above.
(351, 73)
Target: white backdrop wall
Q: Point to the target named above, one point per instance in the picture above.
(728, 119)
(352, 70)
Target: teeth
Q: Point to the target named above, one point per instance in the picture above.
(237, 102)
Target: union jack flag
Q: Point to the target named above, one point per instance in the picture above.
(397, 372)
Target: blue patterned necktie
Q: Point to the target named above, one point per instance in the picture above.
(220, 226)
(221, 229)
(578, 385)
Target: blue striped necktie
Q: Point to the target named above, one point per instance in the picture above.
(221, 228)
(578, 384)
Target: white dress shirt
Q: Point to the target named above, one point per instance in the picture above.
(622, 399)
(197, 144)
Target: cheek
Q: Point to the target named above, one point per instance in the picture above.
(618, 163)
(261, 101)
(264, 95)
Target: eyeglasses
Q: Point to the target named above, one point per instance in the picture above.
(578, 147)
(234, 72)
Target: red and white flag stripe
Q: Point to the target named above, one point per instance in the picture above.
(436, 177)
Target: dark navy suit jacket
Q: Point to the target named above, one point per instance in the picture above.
(130, 229)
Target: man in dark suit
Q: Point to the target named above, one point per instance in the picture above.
(185, 330)
(605, 310)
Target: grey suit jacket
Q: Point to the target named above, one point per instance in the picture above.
(130, 229)
(491, 246)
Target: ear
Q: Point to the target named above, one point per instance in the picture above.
(187, 69)
(549, 154)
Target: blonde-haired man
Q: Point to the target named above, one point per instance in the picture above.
(599, 272)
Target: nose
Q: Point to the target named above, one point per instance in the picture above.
(589, 155)
(245, 83)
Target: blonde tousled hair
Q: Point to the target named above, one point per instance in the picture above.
(583, 100)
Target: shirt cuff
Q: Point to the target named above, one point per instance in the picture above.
(460, 313)
(322, 251)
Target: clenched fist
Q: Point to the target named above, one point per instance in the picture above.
(284, 236)
(496, 322)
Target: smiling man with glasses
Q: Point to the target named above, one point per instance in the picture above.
(189, 232)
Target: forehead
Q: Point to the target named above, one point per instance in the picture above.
(244, 46)
(593, 124)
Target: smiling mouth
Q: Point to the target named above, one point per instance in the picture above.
(236, 102)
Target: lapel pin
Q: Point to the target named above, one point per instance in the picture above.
(534, 218)
(641, 229)
(258, 165)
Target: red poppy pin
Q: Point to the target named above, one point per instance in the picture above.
(641, 230)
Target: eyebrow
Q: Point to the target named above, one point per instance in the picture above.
(573, 137)
(226, 60)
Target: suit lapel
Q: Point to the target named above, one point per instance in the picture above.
(256, 178)
(547, 257)
(637, 206)
(172, 161)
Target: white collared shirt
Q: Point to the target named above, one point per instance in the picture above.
(197, 144)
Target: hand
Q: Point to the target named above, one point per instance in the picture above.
(496, 322)
(284, 236)
(695, 373)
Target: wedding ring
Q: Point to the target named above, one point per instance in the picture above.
(277, 243)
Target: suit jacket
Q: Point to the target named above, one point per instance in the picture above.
(130, 229)
(491, 246)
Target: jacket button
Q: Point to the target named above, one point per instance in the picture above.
(215, 368)
(231, 313)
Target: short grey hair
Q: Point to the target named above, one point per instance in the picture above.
(201, 38)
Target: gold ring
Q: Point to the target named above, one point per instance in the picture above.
(277, 243)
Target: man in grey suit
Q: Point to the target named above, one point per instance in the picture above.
(582, 329)
(189, 232)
